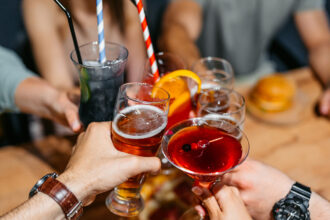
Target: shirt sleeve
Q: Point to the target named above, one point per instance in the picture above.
(303, 5)
(12, 73)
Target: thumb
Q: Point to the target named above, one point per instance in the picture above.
(72, 117)
(209, 202)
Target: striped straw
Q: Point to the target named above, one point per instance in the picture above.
(147, 40)
(100, 30)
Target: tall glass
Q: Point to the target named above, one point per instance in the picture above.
(139, 123)
(99, 83)
(214, 73)
(222, 104)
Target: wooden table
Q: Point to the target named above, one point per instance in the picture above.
(301, 150)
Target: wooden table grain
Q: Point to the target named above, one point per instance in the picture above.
(301, 150)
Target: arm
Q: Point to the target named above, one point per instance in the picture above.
(42, 23)
(135, 44)
(314, 30)
(90, 171)
(261, 186)
(35, 96)
(182, 24)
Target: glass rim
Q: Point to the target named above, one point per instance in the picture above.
(121, 88)
(75, 61)
(210, 58)
(241, 107)
(185, 170)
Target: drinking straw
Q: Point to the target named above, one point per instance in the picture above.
(100, 30)
(73, 33)
(147, 40)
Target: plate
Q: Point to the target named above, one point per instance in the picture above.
(296, 113)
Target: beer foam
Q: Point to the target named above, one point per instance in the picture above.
(159, 115)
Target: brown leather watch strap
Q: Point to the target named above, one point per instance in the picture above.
(69, 203)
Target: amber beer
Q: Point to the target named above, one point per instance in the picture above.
(137, 130)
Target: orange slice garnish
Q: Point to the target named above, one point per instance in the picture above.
(177, 87)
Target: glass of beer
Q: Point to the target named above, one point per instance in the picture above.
(140, 119)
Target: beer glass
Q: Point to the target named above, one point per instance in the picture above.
(140, 120)
(99, 82)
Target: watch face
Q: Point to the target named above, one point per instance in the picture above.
(291, 209)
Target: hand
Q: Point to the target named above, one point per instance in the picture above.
(325, 103)
(65, 111)
(260, 186)
(36, 96)
(96, 166)
(225, 204)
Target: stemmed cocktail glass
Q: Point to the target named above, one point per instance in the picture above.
(138, 126)
(205, 149)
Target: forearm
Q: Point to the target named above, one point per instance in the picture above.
(175, 39)
(319, 207)
(319, 62)
(35, 96)
(40, 206)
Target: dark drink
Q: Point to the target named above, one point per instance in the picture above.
(99, 91)
(138, 130)
(99, 82)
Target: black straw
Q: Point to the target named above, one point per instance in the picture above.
(73, 33)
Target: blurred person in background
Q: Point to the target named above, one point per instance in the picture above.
(21, 90)
(260, 187)
(49, 34)
(241, 31)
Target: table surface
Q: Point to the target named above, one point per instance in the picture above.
(301, 150)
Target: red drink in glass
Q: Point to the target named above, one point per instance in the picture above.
(204, 150)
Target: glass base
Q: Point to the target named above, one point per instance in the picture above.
(126, 207)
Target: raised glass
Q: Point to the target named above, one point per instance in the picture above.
(99, 83)
(138, 126)
(205, 149)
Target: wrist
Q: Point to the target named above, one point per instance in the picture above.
(75, 184)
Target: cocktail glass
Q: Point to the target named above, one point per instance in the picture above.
(138, 126)
(205, 149)
(99, 83)
(222, 103)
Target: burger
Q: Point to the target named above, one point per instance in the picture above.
(273, 93)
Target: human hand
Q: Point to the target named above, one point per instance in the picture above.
(260, 186)
(64, 110)
(97, 166)
(36, 96)
(225, 204)
(324, 104)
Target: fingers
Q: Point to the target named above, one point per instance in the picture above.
(325, 103)
(72, 117)
(137, 165)
(209, 202)
(228, 197)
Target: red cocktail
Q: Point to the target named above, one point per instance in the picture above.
(204, 148)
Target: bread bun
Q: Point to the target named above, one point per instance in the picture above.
(273, 93)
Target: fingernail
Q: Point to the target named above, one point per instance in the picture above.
(197, 190)
(76, 125)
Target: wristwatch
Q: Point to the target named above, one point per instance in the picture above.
(295, 205)
(49, 185)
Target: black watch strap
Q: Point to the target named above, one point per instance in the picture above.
(301, 190)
